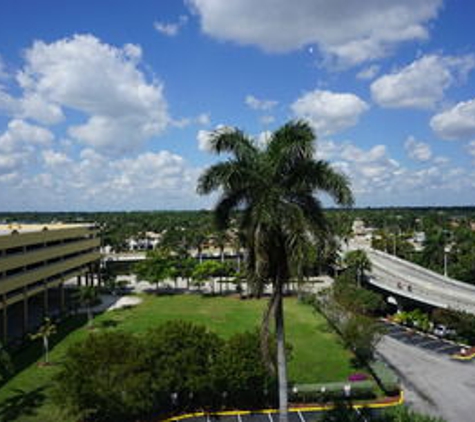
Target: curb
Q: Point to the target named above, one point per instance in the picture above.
(397, 401)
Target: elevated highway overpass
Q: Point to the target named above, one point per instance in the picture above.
(408, 280)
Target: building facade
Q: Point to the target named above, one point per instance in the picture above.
(36, 261)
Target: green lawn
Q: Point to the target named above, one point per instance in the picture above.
(317, 354)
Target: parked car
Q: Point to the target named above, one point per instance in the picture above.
(442, 331)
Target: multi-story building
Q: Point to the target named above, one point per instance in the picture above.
(35, 262)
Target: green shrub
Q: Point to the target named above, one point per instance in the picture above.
(180, 356)
(104, 378)
(178, 366)
(241, 374)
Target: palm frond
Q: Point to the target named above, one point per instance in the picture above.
(228, 203)
(315, 176)
(293, 140)
(234, 142)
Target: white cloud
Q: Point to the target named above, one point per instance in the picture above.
(353, 32)
(204, 136)
(53, 158)
(259, 104)
(455, 123)
(263, 138)
(171, 29)
(329, 112)
(422, 83)
(267, 119)
(471, 148)
(161, 180)
(103, 82)
(19, 145)
(416, 150)
(21, 135)
(368, 72)
(377, 178)
(203, 119)
(3, 70)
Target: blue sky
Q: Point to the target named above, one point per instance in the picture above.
(108, 105)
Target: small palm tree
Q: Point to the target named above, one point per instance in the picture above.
(274, 186)
(88, 297)
(6, 365)
(45, 332)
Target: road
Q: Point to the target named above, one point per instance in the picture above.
(433, 383)
(407, 279)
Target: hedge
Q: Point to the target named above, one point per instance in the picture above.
(385, 377)
(331, 391)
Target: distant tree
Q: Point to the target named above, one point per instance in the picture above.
(207, 271)
(156, 268)
(45, 332)
(358, 262)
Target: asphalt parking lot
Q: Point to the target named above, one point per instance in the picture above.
(294, 416)
(423, 341)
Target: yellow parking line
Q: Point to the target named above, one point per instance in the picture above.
(376, 405)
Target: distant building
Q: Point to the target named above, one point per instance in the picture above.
(36, 261)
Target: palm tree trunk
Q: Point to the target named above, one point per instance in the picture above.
(281, 358)
(89, 316)
(46, 347)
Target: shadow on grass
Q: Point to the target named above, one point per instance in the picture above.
(31, 351)
(21, 403)
(108, 323)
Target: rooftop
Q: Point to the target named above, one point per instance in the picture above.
(7, 229)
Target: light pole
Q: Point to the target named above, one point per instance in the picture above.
(446, 251)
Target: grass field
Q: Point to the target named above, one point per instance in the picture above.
(317, 354)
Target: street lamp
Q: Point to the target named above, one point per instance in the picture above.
(446, 251)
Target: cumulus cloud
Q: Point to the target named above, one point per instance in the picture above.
(422, 83)
(171, 29)
(471, 148)
(21, 135)
(121, 109)
(329, 112)
(350, 31)
(259, 104)
(53, 159)
(19, 145)
(416, 150)
(160, 180)
(203, 119)
(3, 70)
(204, 136)
(455, 123)
(376, 177)
(368, 72)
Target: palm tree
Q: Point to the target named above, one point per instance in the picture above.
(45, 332)
(274, 187)
(88, 296)
(358, 262)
